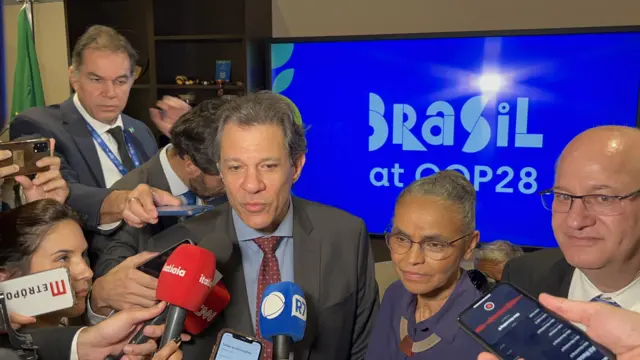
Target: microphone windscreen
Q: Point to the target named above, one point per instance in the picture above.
(216, 301)
(187, 277)
(283, 311)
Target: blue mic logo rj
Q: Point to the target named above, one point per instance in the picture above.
(442, 115)
(299, 308)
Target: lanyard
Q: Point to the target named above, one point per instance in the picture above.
(114, 159)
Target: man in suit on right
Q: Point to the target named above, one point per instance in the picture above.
(265, 235)
(595, 209)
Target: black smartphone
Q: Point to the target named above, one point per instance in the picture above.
(232, 345)
(154, 265)
(513, 325)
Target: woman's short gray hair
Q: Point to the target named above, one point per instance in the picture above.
(263, 108)
(451, 186)
(499, 250)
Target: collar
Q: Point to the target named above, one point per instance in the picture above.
(245, 233)
(443, 322)
(100, 127)
(628, 297)
(176, 185)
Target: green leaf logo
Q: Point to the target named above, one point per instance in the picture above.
(282, 81)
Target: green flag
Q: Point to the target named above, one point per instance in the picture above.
(27, 85)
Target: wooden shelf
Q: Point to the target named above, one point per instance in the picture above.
(185, 38)
(230, 87)
(208, 37)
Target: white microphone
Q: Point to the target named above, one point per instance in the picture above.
(40, 293)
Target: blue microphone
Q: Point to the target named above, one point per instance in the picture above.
(283, 317)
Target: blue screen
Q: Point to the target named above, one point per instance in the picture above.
(381, 113)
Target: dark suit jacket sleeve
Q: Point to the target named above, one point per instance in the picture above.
(54, 343)
(112, 249)
(84, 199)
(368, 301)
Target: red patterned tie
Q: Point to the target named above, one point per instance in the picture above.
(269, 274)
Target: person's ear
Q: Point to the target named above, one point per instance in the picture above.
(74, 78)
(471, 245)
(190, 166)
(298, 164)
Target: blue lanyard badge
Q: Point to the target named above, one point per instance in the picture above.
(114, 159)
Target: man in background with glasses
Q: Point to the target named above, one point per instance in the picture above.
(433, 229)
(595, 211)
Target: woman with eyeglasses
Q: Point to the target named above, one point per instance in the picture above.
(432, 231)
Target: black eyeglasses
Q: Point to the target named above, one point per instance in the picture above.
(600, 204)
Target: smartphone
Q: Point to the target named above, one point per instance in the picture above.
(154, 265)
(235, 346)
(514, 325)
(25, 154)
(182, 210)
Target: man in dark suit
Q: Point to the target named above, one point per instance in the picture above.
(187, 169)
(265, 235)
(96, 142)
(595, 211)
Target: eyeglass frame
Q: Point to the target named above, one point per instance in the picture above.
(387, 234)
(619, 198)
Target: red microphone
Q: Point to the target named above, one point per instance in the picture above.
(217, 300)
(184, 283)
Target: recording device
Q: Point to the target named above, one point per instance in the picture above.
(232, 345)
(216, 301)
(25, 154)
(513, 325)
(283, 317)
(139, 337)
(154, 265)
(182, 210)
(184, 283)
(39, 293)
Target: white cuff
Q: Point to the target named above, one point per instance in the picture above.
(74, 346)
(91, 315)
(111, 226)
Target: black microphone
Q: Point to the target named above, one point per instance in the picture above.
(139, 337)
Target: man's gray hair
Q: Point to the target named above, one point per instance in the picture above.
(451, 186)
(263, 108)
(499, 250)
(100, 37)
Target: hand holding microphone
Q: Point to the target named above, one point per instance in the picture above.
(283, 317)
(185, 281)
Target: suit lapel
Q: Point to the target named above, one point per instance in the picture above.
(237, 312)
(561, 288)
(76, 126)
(306, 269)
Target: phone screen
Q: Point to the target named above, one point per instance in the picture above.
(154, 265)
(516, 326)
(237, 347)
